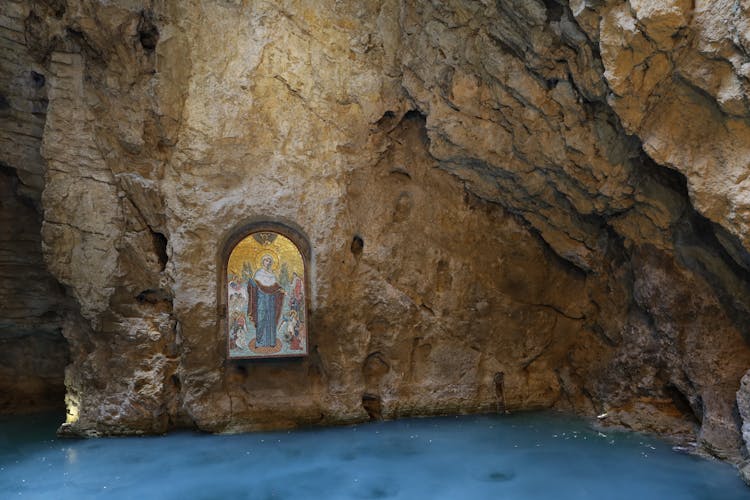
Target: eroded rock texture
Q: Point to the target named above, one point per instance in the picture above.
(511, 205)
(33, 352)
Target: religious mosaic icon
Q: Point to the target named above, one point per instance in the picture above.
(266, 306)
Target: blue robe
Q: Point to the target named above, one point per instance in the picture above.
(264, 309)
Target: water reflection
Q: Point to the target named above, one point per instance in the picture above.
(513, 456)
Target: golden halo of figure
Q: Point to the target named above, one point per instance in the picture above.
(267, 252)
(250, 251)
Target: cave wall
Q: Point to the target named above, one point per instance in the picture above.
(33, 351)
(550, 197)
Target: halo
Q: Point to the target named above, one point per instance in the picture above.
(273, 254)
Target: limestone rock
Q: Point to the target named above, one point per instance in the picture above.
(743, 405)
(678, 83)
(33, 352)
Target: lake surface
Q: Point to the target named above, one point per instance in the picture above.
(520, 456)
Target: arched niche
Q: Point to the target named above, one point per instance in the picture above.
(264, 292)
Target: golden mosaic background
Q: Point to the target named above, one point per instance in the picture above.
(281, 249)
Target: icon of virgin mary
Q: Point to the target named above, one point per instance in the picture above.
(265, 300)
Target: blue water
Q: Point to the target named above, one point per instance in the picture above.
(499, 457)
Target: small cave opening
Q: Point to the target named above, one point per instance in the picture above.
(373, 406)
(357, 246)
(158, 298)
(683, 405)
(387, 121)
(176, 382)
(554, 10)
(148, 33)
(37, 80)
(160, 248)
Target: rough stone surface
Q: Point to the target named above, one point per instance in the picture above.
(552, 200)
(33, 352)
(743, 407)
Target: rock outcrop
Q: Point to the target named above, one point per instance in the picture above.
(743, 407)
(548, 199)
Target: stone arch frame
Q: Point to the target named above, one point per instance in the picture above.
(232, 238)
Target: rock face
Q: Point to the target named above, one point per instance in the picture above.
(33, 352)
(548, 204)
(743, 407)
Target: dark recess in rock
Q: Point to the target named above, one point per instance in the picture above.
(33, 351)
(415, 116)
(373, 406)
(148, 33)
(357, 246)
(154, 297)
(682, 403)
(499, 382)
(58, 7)
(704, 247)
(160, 247)
(37, 79)
(387, 121)
(554, 10)
(37, 36)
